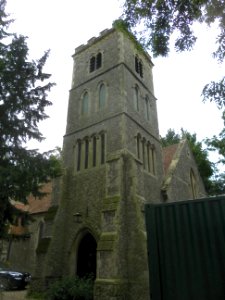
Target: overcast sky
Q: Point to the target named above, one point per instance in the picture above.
(63, 25)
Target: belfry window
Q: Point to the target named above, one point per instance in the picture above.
(138, 66)
(92, 64)
(98, 60)
(102, 96)
(95, 62)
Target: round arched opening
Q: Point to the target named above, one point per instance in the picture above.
(86, 256)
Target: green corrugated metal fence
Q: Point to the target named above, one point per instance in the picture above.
(186, 246)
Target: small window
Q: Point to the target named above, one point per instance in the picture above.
(102, 96)
(85, 104)
(86, 154)
(102, 148)
(143, 154)
(136, 98)
(94, 150)
(138, 66)
(92, 64)
(95, 62)
(98, 60)
(138, 146)
(78, 155)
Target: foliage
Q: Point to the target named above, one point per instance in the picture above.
(121, 25)
(161, 19)
(205, 167)
(23, 99)
(217, 144)
(70, 288)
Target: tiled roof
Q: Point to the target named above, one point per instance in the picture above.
(168, 154)
(36, 205)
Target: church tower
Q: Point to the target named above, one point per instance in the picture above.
(113, 167)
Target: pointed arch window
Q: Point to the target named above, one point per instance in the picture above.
(136, 98)
(102, 96)
(85, 104)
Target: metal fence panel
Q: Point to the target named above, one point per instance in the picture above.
(186, 246)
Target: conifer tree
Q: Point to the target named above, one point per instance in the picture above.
(23, 99)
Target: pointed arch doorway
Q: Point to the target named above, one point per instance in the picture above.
(86, 256)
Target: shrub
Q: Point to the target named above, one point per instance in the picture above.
(71, 288)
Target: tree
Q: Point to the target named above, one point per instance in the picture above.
(161, 19)
(23, 99)
(217, 144)
(205, 167)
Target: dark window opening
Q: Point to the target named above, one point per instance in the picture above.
(140, 69)
(78, 155)
(102, 148)
(92, 64)
(94, 150)
(138, 147)
(98, 60)
(143, 154)
(86, 154)
(148, 158)
(138, 66)
(86, 258)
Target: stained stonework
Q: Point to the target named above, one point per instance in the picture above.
(113, 166)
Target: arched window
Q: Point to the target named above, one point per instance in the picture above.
(85, 104)
(136, 98)
(98, 60)
(147, 104)
(92, 64)
(102, 96)
(95, 62)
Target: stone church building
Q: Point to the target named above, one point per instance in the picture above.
(114, 164)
